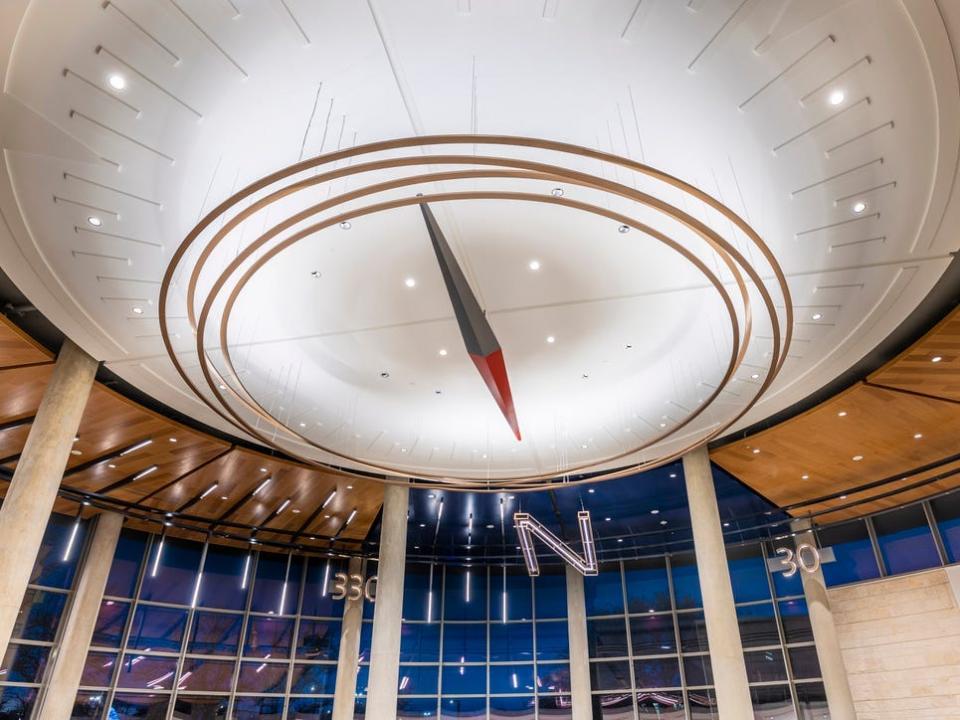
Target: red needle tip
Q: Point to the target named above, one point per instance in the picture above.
(494, 374)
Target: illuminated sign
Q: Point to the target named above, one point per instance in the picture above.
(527, 527)
(806, 558)
(353, 587)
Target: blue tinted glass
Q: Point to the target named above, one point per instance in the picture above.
(223, 571)
(371, 570)
(311, 708)
(206, 675)
(131, 706)
(519, 596)
(765, 666)
(657, 673)
(363, 675)
(464, 642)
(652, 634)
(664, 705)
(698, 671)
(314, 679)
(946, 510)
(552, 641)
(511, 641)
(785, 586)
(268, 637)
(110, 623)
(215, 633)
(553, 677)
(418, 680)
(515, 708)
(318, 600)
(796, 621)
(319, 640)
(50, 569)
(748, 574)
(200, 706)
(366, 640)
(550, 591)
(257, 708)
(176, 573)
(465, 594)
(607, 638)
(465, 679)
(157, 628)
(511, 679)
(420, 642)
(758, 625)
(98, 669)
(905, 540)
(40, 615)
(686, 583)
(647, 586)
(693, 631)
(804, 662)
(146, 672)
(416, 584)
(853, 551)
(604, 592)
(610, 675)
(126, 563)
(24, 663)
(262, 677)
(88, 705)
(410, 708)
(274, 591)
(457, 708)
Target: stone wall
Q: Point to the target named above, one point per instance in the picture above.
(901, 644)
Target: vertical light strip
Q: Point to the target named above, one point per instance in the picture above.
(196, 589)
(156, 559)
(73, 537)
(504, 594)
(430, 596)
(286, 580)
(326, 580)
(246, 571)
(467, 590)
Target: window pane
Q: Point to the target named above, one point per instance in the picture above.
(206, 675)
(703, 705)
(314, 679)
(311, 708)
(257, 708)
(854, 553)
(697, 670)
(552, 641)
(748, 574)
(176, 573)
(652, 634)
(660, 705)
(607, 638)
(464, 679)
(108, 632)
(126, 563)
(555, 708)
(772, 701)
(416, 584)
(511, 641)
(268, 637)
(461, 642)
(50, 568)
(418, 680)
(785, 586)
(146, 672)
(262, 677)
(98, 669)
(553, 677)
(88, 705)
(550, 592)
(410, 708)
(804, 662)
(693, 632)
(273, 590)
(647, 587)
(40, 615)
(465, 593)
(456, 708)
(813, 701)
(223, 578)
(758, 625)
(519, 600)
(319, 640)
(657, 673)
(515, 708)
(796, 621)
(200, 707)
(610, 675)
(946, 510)
(506, 679)
(618, 706)
(130, 706)
(604, 592)
(686, 582)
(157, 628)
(765, 666)
(215, 633)
(317, 599)
(24, 663)
(366, 640)
(905, 540)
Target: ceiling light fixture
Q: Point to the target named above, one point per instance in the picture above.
(136, 447)
(316, 274)
(95, 221)
(283, 506)
(442, 352)
(138, 310)
(534, 265)
(353, 514)
(755, 376)
(817, 316)
(208, 491)
(842, 413)
(859, 206)
(936, 358)
(345, 225)
(837, 97)
(117, 81)
(410, 282)
(262, 485)
(917, 436)
(857, 458)
(804, 477)
(144, 473)
(654, 512)
(756, 451)
(551, 339)
(557, 192)
(623, 229)
(329, 498)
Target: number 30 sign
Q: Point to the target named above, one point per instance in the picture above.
(353, 587)
(806, 558)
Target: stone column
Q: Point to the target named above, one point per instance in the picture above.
(349, 657)
(71, 654)
(832, 668)
(33, 490)
(723, 632)
(387, 614)
(579, 651)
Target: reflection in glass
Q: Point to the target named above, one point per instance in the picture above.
(417, 680)
(130, 706)
(464, 679)
(614, 706)
(176, 574)
(657, 672)
(268, 637)
(410, 708)
(257, 708)
(420, 642)
(812, 699)
(660, 705)
(607, 638)
(146, 672)
(112, 618)
(451, 708)
(647, 587)
(319, 640)
(318, 600)
(697, 670)
(319, 679)
(505, 679)
(758, 625)
(515, 708)
(946, 510)
(748, 573)
(703, 705)
(686, 582)
(200, 707)
(98, 669)
(765, 665)
(559, 707)
(550, 592)
(88, 705)
(796, 621)
(693, 632)
(50, 569)
(603, 593)
(553, 642)
(465, 593)
(462, 642)
(39, 615)
(610, 675)
(511, 641)
(223, 578)
(772, 700)
(24, 663)
(652, 634)
(310, 708)
(157, 628)
(905, 540)
(553, 677)
(277, 587)
(262, 677)
(215, 633)
(206, 675)
(804, 662)
(853, 552)
(126, 563)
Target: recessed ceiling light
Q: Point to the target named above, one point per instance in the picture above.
(349, 487)
(726, 524)
(263, 469)
(606, 519)
(623, 229)
(117, 81)
(843, 497)
(591, 491)
(95, 221)
(173, 440)
(585, 376)
(857, 458)
(410, 282)
(534, 265)
(756, 451)
(755, 376)
(76, 452)
(551, 339)
(917, 436)
(654, 512)
(663, 424)
(557, 192)
(315, 274)
(345, 225)
(673, 475)
(138, 310)
(842, 413)
(859, 206)
(619, 539)
(817, 316)
(936, 358)
(224, 497)
(442, 352)
(303, 424)
(804, 477)
(837, 97)
(663, 522)
(111, 466)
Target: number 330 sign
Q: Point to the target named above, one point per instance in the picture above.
(354, 587)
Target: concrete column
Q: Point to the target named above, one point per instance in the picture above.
(387, 614)
(832, 668)
(723, 632)
(579, 651)
(347, 660)
(33, 490)
(64, 676)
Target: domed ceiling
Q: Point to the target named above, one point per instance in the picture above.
(816, 139)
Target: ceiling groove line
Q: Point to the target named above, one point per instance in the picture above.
(103, 50)
(787, 69)
(142, 29)
(208, 37)
(118, 191)
(906, 391)
(128, 138)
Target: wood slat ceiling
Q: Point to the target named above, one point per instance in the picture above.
(181, 463)
(911, 395)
